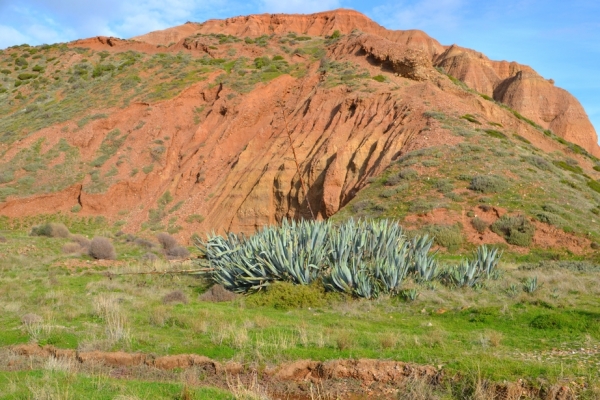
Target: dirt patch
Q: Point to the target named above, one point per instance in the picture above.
(340, 379)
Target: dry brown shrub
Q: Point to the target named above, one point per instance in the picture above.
(102, 249)
(53, 230)
(149, 258)
(73, 248)
(30, 319)
(176, 296)
(217, 294)
(81, 240)
(479, 225)
(145, 243)
(166, 241)
(178, 252)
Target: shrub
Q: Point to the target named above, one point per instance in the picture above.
(421, 206)
(178, 252)
(440, 116)
(82, 241)
(448, 236)
(539, 162)
(217, 294)
(570, 321)
(53, 230)
(166, 241)
(479, 225)
(390, 192)
(392, 180)
(21, 62)
(379, 78)
(488, 184)
(517, 230)
(431, 163)
(73, 248)
(176, 296)
(408, 174)
(549, 218)
(286, 295)
(194, 218)
(361, 205)
(7, 176)
(594, 185)
(25, 76)
(31, 319)
(102, 249)
(471, 118)
(496, 134)
(521, 138)
(144, 243)
(568, 167)
(443, 185)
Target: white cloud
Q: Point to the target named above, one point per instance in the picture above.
(298, 6)
(43, 21)
(422, 14)
(10, 36)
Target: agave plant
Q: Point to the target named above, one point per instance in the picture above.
(296, 251)
(362, 258)
(410, 294)
(425, 266)
(465, 274)
(368, 258)
(487, 260)
(530, 284)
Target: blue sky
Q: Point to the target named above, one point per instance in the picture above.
(559, 39)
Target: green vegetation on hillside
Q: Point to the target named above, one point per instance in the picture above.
(477, 174)
(534, 322)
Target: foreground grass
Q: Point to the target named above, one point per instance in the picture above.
(47, 384)
(498, 330)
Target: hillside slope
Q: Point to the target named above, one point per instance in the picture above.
(192, 129)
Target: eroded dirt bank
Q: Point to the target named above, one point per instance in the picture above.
(303, 379)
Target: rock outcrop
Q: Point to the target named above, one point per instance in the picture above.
(227, 155)
(521, 88)
(553, 108)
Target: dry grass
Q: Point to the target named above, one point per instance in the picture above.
(417, 389)
(108, 309)
(176, 296)
(33, 324)
(251, 390)
(158, 316)
(60, 364)
(388, 341)
(344, 341)
(229, 333)
(494, 338)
